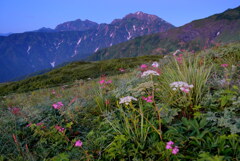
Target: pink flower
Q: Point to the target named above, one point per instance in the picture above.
(121, 70)
(78, 143)
(148, 99)
(57, 105)
(59, 128)
(28, 125)
(39, 124)
(108, 82)
(175, 150)
(15, 110)
(168, 147)
(186, 90)
(170, 143)
(144, 98)
(107, 102)
(143, 66)
(53, 92)
(224, 65)
(102, 81)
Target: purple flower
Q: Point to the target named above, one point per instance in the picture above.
(224, 65)
(168, 147)
(59, 128)
(57, 105)
(102, 81)
(170, 143)
(148, 99)
(78, 143)
(143, 66)
(175, 150)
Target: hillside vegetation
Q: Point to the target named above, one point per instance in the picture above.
(181, 107)
(75, 71)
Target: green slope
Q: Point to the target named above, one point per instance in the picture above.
(74, 71)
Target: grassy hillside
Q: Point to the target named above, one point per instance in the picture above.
(95, 120)
(74, 71)
(195, 36)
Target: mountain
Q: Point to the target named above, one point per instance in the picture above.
(200, 34)
(29, 52)
(77, 25)
(5, 34)
(45, 29)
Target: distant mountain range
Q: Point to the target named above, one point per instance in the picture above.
(200, 34)
(5, 34)
(29, 52)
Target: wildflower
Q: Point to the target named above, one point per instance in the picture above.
(149, 72)
(15, 110)
(28, 125)
(175, 150)
(155, 64)
(53, 91)
(57, 105)
(107, 102)
(148, 99)
(78, 143)
(121, 70)
(59, 128)
(143, 66)
(108, 82)
(183, 86)
(170, 143)
(127, 100)
(224, 65)
(39, 124)
(102, 81)
(168, 147)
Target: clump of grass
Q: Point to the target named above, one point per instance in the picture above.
(190, 69)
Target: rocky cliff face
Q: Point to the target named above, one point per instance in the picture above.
(25, 53)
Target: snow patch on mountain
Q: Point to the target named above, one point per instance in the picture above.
(129, 34)
(58, 45)
(79, 41)
(52, 64)
(75, 53)
(134, 27)
(96, 49)
(28, 50)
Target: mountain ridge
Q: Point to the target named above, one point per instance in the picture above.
(199, 34)
(29, 52)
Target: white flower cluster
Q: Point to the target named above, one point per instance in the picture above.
(127, 100)
(155, 64)
(149, 72)
(183, 86)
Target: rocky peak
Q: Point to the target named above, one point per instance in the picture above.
(77, 25)
(141, 15)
